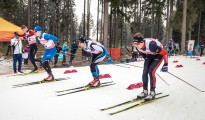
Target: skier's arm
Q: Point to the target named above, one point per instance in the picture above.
(50, 37)
(158, 50)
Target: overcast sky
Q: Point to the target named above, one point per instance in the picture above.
(79, 9)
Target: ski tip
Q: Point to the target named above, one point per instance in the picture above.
(111, 113)
(102, 109)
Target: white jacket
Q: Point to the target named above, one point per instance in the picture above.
(17, 45)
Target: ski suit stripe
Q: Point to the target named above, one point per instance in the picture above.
(153, 72)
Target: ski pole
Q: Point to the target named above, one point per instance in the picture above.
(122, 66)
(133, 65)
(142, 67)
(185, 82)
(162, 79)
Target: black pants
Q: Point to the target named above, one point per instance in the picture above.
(135, 55)
(26, 61)
(72, 55)
(96, 59)
(33, 50)
(201, 52)
(56, 59)
(151, 64)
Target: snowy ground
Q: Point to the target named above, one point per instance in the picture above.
(39, 102)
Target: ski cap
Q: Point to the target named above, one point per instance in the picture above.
(137, 39)
(38, 28)
(16, 34)
(81, 40)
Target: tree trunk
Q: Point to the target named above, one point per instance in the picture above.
(190, 29)
(105, 30)
(102, 18)
(88, 18)
(184, 26)
(171, 18)
(29, 14)
(144, 22)
(110, 31)
(199, 27)
(152, 23)
(98, 19)
(41, 13)
(140, 27)
(167, 23)
(84, 19)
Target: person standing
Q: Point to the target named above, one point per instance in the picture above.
(201, 50)
(74, 48)
(98, 53)
(27, 53)
(30, 36)
(65, 50)
(47, 40)
(153, 53)
(16, 46)
(170, 46)
(135, 54)
(58, 49)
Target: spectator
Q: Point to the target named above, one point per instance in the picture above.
(201, 50)
(65, 50)
(26, 53)
(58, 49)
(74, 48)
(170, 46)
(135, 53)
(16, 46)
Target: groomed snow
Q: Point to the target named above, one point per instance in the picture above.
(39, 102)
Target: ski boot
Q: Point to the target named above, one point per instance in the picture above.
(35, 70)
(143, 94)
(151, 96)
(20, 71)
(50, 78)
(94, 83)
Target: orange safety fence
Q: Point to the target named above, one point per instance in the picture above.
(114, 53)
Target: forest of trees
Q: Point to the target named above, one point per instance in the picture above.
(117, 20)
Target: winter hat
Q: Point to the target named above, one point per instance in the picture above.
(38, 28)
(16, 34)
(137, 39)
(81, 40)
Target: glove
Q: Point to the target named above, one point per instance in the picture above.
(164, 68)
(109, 60)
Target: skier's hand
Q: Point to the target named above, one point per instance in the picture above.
(164, 68)
(109, 60)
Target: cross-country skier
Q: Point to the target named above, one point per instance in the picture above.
(98, 53)
(153, 53)
(30, 36)
(47, 40)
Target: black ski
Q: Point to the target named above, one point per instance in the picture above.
(80, 87)
(24, 74)
(138, 105)
(86, 88)
(39, 82)
(125, 103)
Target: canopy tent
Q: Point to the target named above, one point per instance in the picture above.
(7, 30)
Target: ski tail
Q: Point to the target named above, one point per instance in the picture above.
(81, 87)
(85, 89)
(138, 104)
(125, 103)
